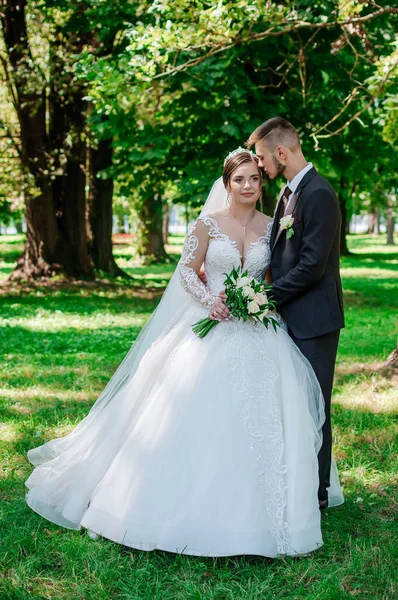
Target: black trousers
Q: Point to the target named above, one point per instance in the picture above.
(321, 353)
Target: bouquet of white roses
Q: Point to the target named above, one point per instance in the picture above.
(246, 299)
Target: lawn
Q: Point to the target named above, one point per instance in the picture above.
(59, 347)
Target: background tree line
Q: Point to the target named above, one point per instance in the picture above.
(105, 99)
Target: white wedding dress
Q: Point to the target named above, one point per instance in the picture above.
(209, 447)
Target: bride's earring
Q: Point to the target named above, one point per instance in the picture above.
(260, 202)
(229, 199)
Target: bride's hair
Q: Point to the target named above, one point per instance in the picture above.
(231, 164)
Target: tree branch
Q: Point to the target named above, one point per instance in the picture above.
(10, 85)
(271, 32)
(374, 95)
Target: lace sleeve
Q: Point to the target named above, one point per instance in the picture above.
(192, 258)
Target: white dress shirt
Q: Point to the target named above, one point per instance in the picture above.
(293, 184)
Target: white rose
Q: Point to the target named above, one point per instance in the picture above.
(248, 292)
(260, 298)
(286, 222)
(253, 307)
(242, 282)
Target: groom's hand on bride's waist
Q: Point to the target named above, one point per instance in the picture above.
(202, 276)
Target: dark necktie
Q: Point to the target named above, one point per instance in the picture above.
(285, 200)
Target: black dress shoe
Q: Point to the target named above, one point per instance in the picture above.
(323, 504)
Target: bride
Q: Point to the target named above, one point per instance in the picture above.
(199, 446)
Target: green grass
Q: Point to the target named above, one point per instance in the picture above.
(60, 346)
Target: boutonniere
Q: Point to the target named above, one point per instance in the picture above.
(286, 224)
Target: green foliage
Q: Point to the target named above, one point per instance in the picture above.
(177, 85)
(191, 80)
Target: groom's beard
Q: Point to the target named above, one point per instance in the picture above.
(280, 168)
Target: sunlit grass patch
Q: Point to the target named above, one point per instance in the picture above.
(373, 273)
(368, 244)
(24, 399)
(8, 432)
(358, 386)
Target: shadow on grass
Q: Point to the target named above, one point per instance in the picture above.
(95, 303)
(371, 260)
(97, 339)
(364, 294)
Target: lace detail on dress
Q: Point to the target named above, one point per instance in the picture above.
(188, 276)
(223, 255)
(268, 232)
(214, 230)
(253, 374)
(251, 371)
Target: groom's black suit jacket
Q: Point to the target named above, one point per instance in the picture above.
(305, 267)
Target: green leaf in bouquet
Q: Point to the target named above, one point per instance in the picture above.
(275, 324)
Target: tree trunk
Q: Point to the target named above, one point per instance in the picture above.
(100, 210)
(343, 230)
(389, 368)
(56, 233)
(373, 223)
(36, 259)
(390, 223)
(166, 223)
(18, 226)
(150, 229)
(392, 360)
(68, 148)
(30, 106)
(186, 217)
(344, 218)
(72, 217)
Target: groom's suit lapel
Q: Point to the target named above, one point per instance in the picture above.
(275, 224)
(291, 206)
(289, 211)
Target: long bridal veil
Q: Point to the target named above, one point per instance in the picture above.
(173, 304)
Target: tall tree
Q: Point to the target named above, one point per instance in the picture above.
(29, 99)
(55, 238)
(54, 138)
(99, 26)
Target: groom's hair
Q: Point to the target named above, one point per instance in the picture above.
(275, 132)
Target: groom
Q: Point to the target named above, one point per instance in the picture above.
(305, 262)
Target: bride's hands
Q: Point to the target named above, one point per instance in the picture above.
(219, 309)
